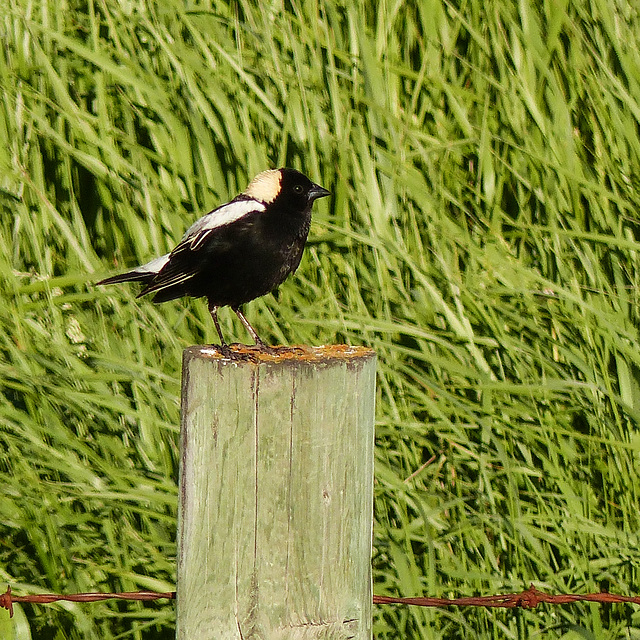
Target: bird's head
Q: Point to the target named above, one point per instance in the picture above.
(288, 187)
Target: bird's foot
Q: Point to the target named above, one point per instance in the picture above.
(262, 347)
(238, 352)
(245, 352)
(277, 349)
(282, 349)
(224, 350)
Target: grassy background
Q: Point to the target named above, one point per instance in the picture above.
(482, 237)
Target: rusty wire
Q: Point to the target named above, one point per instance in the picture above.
(528, 599)
(7, 598)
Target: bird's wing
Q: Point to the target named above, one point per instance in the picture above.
(228, 213)
(183, 262)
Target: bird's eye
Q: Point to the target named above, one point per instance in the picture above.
(298, 189)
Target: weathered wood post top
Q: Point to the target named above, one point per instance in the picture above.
(276, 493)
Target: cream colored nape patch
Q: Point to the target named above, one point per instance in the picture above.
(265, 187)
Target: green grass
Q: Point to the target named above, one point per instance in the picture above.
(481, 236)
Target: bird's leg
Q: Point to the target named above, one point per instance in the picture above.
(213, 310)
(250, 329)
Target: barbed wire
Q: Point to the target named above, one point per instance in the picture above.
(528, 599)
(7, 598)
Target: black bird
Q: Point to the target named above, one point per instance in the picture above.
(238, 252)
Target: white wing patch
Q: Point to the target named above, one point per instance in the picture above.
(265, 187)
(226, 214)
(154, 266)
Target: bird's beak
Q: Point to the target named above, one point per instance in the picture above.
(317, 191)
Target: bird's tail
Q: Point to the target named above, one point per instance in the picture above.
(130, 276)
(144, 273)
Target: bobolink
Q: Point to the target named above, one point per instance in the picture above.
(238, 252)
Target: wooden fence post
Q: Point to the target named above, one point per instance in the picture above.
(276, 495)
